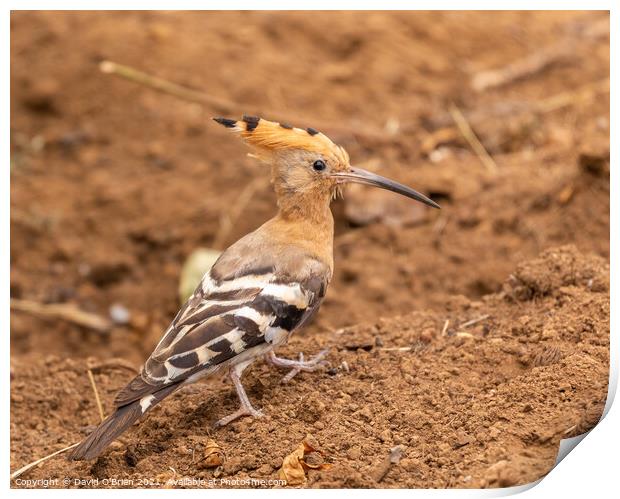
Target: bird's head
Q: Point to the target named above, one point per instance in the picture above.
(306, 162)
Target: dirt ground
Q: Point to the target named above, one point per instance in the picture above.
(475, 337)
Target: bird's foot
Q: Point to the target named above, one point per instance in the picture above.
(297, 366)
(246, 408)
(239, 413)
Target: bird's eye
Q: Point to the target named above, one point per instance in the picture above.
(319, 165)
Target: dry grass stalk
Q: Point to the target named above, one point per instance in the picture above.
(112, 364)
(229, 218)
(564, 99)
(472, 139)
(463, 334)
(475, 321)
(442, 122)
(97, 399)
(29, 466)
(64, 311)
(444, 330)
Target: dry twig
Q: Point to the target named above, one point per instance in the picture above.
(397, 349)
(167, 87)
(228, 106)
(538, 61)
(64, 311)
(521, 68)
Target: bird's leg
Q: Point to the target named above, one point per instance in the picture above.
(296, 366)
(246, 408)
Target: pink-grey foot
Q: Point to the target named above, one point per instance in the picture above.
(246, 408)
(297, 366)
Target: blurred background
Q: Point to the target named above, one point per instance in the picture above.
(118, 176)
(113, 184)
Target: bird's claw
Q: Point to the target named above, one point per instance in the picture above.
(242, 411)
(300, 365)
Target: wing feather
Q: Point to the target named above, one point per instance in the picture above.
(224, 318)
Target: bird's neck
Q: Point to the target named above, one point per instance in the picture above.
(306, 219)
(311, 207)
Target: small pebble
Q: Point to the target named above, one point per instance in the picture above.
(354, 453)
(366, 413)
(116, 445)
(385, 435)
(265, 469)
(410, 464)
(119, 314)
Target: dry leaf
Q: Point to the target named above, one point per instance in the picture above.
(213, 455)
(167, 478)
(294, 467)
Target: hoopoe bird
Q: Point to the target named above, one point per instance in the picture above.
(261, 289)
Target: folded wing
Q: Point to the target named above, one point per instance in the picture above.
(222, 320)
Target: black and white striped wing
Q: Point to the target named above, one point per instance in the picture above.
(226, 321)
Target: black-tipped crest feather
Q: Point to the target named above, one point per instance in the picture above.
(251, 122)
(228, 123)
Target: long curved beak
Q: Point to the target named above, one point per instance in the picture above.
(365, 177)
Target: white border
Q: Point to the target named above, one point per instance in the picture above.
(591, 469)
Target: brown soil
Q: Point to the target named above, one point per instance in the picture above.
(113, 185)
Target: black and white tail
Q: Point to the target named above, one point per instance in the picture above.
(117, 422)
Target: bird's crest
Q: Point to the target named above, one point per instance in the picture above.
(272, 136)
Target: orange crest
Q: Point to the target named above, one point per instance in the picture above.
(271, 136)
